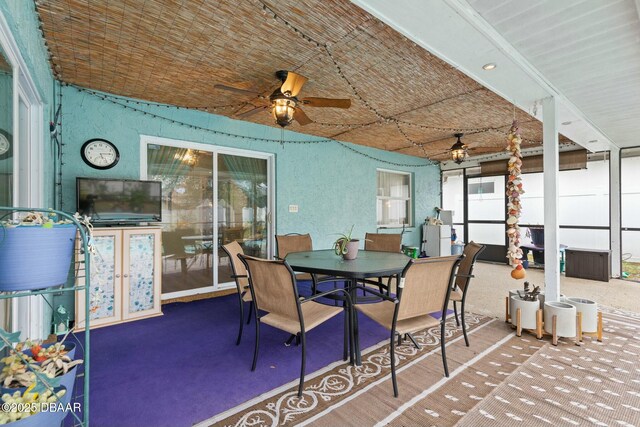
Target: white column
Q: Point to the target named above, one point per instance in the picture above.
(551, 199)
(615, 212)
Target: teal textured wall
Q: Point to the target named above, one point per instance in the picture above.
(333, 186)
(23, 23)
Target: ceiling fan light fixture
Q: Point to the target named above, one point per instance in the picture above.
(458, 150)
(283, 110)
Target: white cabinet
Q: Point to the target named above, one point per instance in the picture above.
(436, 240)
(125, 276)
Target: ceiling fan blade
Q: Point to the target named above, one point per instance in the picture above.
(236, 89)
(327, 102)
(301, 117)
(251, 112)
(293, 84)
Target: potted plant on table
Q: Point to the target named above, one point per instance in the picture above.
(347, 246)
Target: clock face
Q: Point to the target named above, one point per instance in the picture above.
(4, 145)
(100, 154)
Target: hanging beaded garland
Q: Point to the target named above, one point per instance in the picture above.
(514, 191)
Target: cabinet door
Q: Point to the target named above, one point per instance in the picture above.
(142, 273)
(106, 282)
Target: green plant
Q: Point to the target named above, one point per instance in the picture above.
(340, 245)
(529, 294)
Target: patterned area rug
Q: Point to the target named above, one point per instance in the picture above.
(341, 382)
(593, 384)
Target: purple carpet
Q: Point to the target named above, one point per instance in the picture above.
(184, 367)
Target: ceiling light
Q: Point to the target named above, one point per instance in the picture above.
(490, 66)
(458, 150)
(593, 141)
(283, 110)
(567, 123)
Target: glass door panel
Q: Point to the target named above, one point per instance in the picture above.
(187, 216)
(486, 215)
(242, 208)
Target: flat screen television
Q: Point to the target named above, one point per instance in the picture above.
(119, 201)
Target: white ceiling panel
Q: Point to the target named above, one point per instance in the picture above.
(588, 49)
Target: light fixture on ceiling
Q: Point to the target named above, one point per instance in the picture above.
(593, 141)
(567, 123)
(283, 109)
(490, 66)
(458, 150)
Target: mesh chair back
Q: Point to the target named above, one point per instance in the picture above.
(233, 249)
(426, 285)
(383, 242)
(471, 252)
(274, 287)
(288, 243)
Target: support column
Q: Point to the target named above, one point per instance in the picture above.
(551, 199)
(615, 212)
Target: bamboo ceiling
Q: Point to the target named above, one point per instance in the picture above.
(403, 98)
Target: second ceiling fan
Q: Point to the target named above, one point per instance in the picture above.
(284, 102)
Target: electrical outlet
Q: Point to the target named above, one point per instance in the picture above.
(293, 208)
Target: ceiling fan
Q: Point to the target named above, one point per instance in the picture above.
(284, 102)
(458, 151)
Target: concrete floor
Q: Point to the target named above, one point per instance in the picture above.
(492, 283)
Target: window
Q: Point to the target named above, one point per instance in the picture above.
(394, 204)
(482, 188)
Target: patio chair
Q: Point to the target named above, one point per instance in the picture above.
(174, 247)
(383, 243)
(233, 249)
(274, 291)
(424, 288)
(294, 242)
(461, 284)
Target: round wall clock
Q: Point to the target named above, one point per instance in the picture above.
(5, 145)
(100, 153)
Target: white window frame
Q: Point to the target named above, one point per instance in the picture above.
(383, 198)
(27, 314)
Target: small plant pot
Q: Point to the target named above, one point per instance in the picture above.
(541, 298)
(565, 318)
(352, 250)
(35, 257)
(48, 418)
(589, 310)
(528, 311)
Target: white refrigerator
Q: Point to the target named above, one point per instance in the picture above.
(436, 240)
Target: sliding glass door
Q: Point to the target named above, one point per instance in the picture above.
(210, 197)
(242, 208)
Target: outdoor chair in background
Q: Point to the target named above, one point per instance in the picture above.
(294, 242)
(383, 243)
(461, 284)
(274, 291)
(424, 288)
(239, 274)
(174, 248)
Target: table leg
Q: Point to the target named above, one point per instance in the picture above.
(352, 283)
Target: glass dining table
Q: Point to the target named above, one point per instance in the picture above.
(369, 264)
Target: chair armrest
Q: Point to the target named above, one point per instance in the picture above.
(378, 294)
(323, 294)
